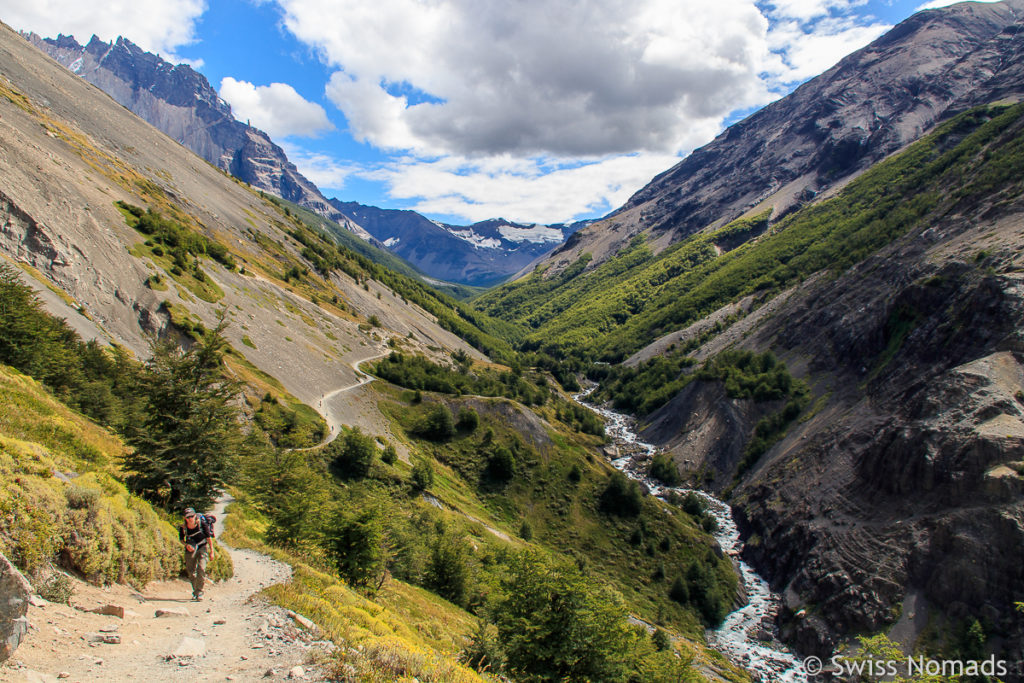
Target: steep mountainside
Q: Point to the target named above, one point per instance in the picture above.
(180, 102)
(71, 152)
(845, 364)
(480, 254)
(867, 106)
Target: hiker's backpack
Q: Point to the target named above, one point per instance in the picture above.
(207, 522)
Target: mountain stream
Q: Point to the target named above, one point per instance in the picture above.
(746, 636)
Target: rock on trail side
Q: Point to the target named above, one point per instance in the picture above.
(233, 634)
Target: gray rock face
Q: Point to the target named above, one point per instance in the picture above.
(872, 103)
(911, 479)
(180, 102)
(14, 595)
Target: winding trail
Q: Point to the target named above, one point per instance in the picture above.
(253, 641)
(747, 635)
(333, 417)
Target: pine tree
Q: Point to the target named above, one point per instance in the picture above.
(191, 427)
(290, 492)
(358, 543)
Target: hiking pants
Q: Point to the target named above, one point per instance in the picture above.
(195, 567)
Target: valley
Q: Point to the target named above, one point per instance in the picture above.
(771, 408)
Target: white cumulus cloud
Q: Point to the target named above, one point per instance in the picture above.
(521, 190)
(325, 171)
(935, 4)
(806, 53)
(541, 111)
(277, 108)
(535, 77)
(154, 25)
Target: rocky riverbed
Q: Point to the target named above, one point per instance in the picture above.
(747, 636)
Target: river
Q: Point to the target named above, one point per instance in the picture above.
(746, 636)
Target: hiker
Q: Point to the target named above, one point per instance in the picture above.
(196, 533)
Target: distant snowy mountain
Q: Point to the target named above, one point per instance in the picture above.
(482, 254)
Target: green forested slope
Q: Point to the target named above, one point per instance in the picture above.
(627, 302)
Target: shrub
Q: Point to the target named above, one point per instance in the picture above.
(422, 475)
(449, 572)
(501, 466)
(390, 455)
(438, 424)
(526, 530)
(484, 652)
(468, 420)
(663, 468)
(554, 624)
(81, 497)
(679, 591)
(355, 540)
(56, 587)
(621, 497)
(352, 455)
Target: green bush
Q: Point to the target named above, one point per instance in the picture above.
(56, 587)
(555, 624)
(501, 466)
(351, 455)
(437, 424)
(355, 540)
(621, 496)
(449, 572)
(468, 420)
(663, 468)
(422, 475)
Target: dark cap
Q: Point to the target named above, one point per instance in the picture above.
(189, 512)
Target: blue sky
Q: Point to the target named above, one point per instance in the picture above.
(537, 111)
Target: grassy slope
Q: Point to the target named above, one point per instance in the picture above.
(635, 298)
(403, 632)
(564, 516)
(62, 496)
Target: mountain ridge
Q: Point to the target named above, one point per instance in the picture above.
(180, 101)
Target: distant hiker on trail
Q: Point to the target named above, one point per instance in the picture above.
(197, 534)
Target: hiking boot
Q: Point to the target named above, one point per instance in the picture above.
(197, 597)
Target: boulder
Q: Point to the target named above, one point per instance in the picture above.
(171, 612)
(15, 592)
(109, 610)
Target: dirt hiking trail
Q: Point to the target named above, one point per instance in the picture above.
(233, 634)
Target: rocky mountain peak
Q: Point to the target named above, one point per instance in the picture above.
(179, 101)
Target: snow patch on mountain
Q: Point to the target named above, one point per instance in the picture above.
(535, 233)
(476, 240)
